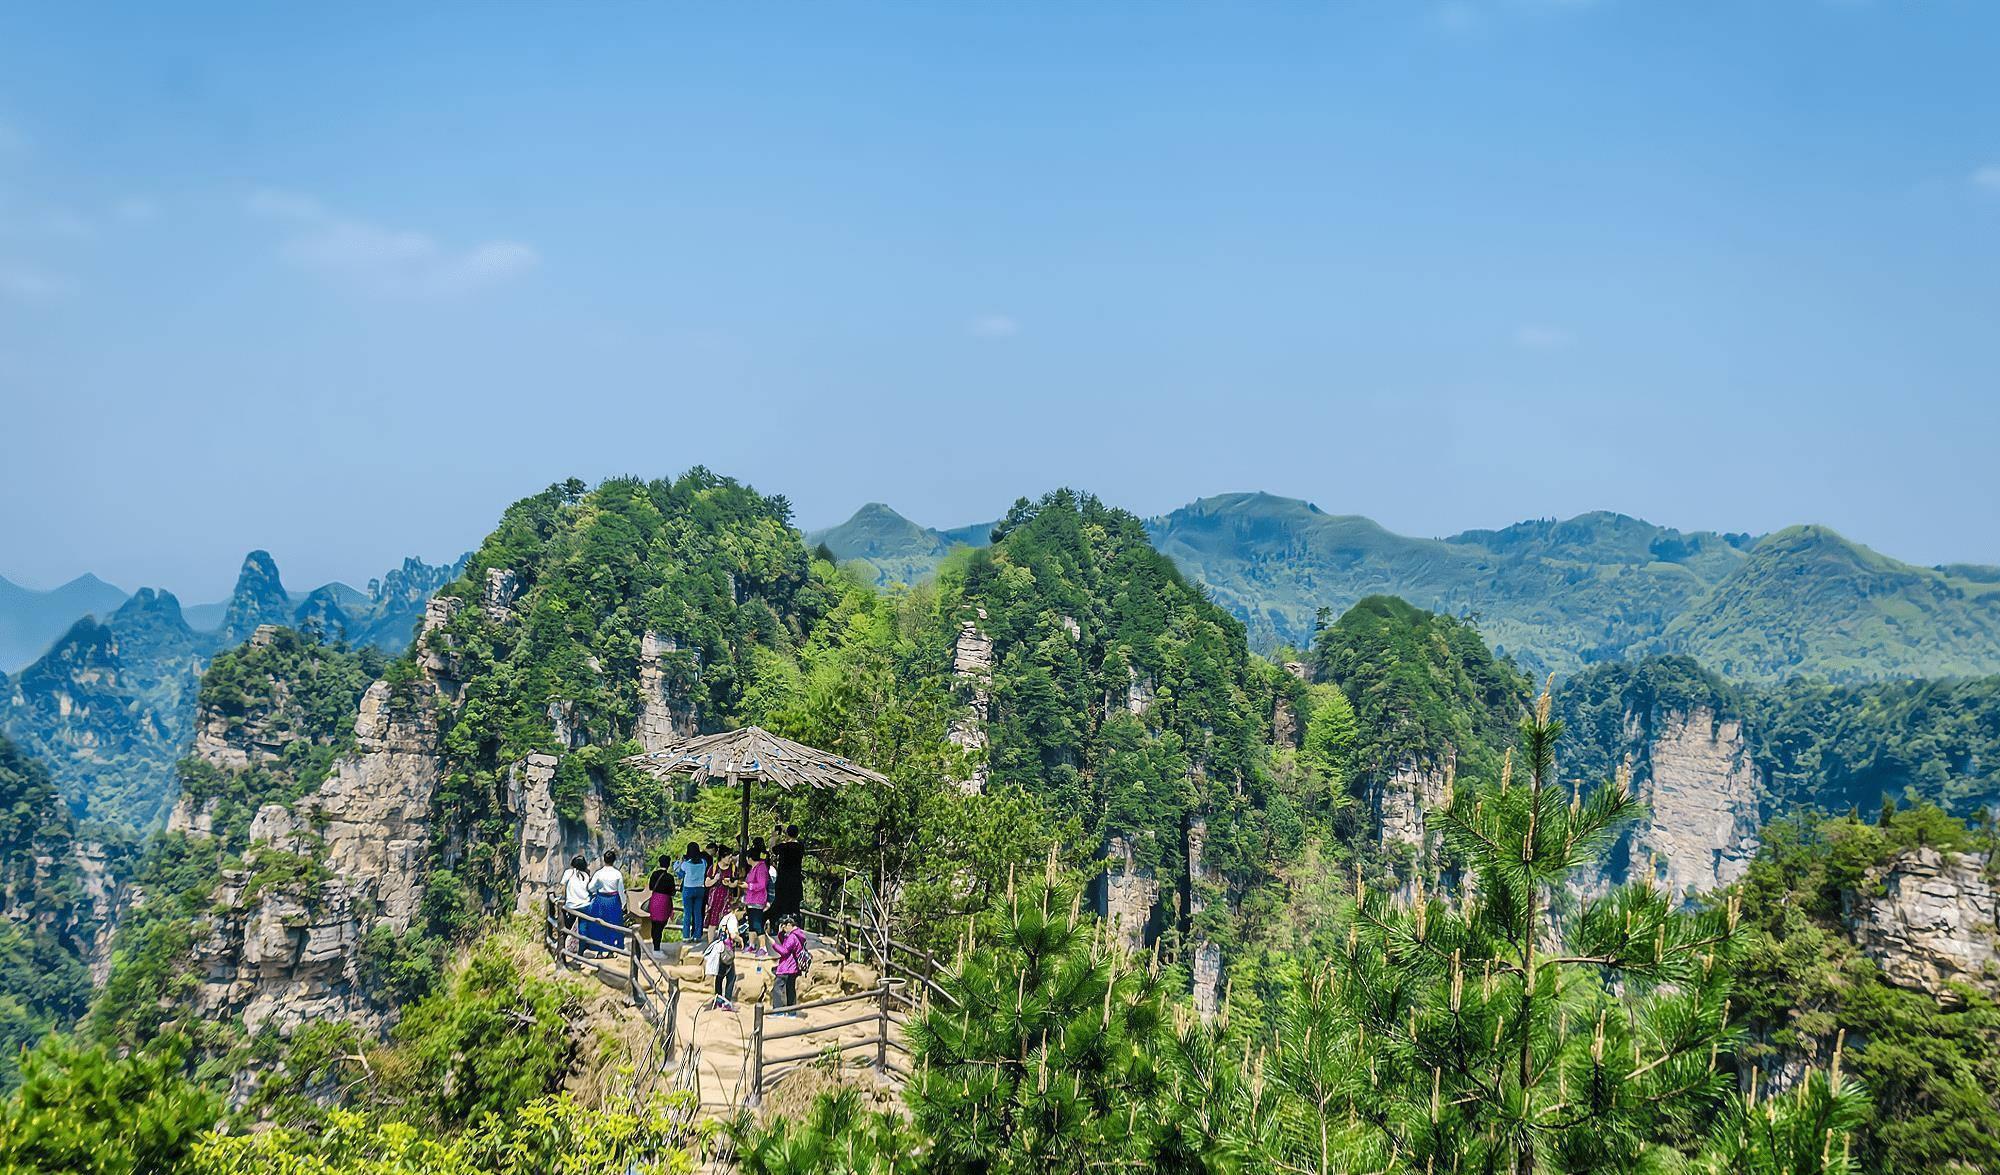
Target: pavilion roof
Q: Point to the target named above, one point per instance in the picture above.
(754, 753)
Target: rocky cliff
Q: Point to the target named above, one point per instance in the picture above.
(1694, 771)
(1403, 799)
(281, 942)
(1928, 919)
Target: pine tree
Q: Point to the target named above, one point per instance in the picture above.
(1043, 1058)
(1509, 1028)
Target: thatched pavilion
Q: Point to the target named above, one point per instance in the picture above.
(752, 755)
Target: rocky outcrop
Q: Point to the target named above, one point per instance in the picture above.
(1694, 771)
(1284, 724)
(1404, 797)
(664, 713)
(437, 650)
(1140, 693)
(1928, 919)
(972, 664)
(287, 953)
(502, 588)
(1204, 957)
(543, 848)
(1131, 894)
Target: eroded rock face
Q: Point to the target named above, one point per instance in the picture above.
(286, 954)
(972, 663)
(664, 715)
(530, 798)
(1928, 920)
(502, 588)
(1403, 799)
(1284, 725)
(1205, 963)
(1140, 693)
(1695, 774)
(1130, 894)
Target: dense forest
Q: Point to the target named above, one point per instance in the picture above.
(1464, 1003)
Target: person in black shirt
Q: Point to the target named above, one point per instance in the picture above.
(788, 857)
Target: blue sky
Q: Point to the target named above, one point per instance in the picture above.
(342, 280)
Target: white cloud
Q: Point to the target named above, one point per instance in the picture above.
(994, 326)
(20, 283)
(1536, 337)
(380, 260)
(1987, 178)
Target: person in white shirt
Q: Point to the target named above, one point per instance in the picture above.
(575, 894)
(719, 960)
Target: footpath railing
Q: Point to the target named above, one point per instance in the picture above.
(654, 992)
(906, 982)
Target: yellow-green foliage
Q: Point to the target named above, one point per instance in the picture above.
(549, 1136)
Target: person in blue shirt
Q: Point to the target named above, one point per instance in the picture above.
(693, 873)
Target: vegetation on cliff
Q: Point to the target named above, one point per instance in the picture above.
(43, 981)
(1933, 1066)
(1813, 744)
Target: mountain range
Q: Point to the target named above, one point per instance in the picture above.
(31, 620)
(110, 705)
(1554, 595)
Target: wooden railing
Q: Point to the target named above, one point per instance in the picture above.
(906, 982)
(655, 993)
(886, 1006)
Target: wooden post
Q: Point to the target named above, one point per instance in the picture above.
(673, 1015)
(756, 1054)
(882, 1033)
(743, 830)
(632, 956)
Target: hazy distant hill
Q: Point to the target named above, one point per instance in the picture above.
(110, 706)
(894, 549)
(31, 620)
(1559, 595)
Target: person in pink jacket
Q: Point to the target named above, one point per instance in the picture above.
(757, 896)
(791, 947)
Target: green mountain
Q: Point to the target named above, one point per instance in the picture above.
(44, 911)
(1554, 595)
(1808, 599)
(31, 620)
(890, 548)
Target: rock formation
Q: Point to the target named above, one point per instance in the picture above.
(1205, 957)
(1694, 772)
(1928, 920)
(1130, 894)
(287, 952)
(972, 664)
(664, 714)
(1403, 799)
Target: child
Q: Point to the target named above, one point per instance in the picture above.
(719, 960)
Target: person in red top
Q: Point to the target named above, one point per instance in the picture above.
(791, 947)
